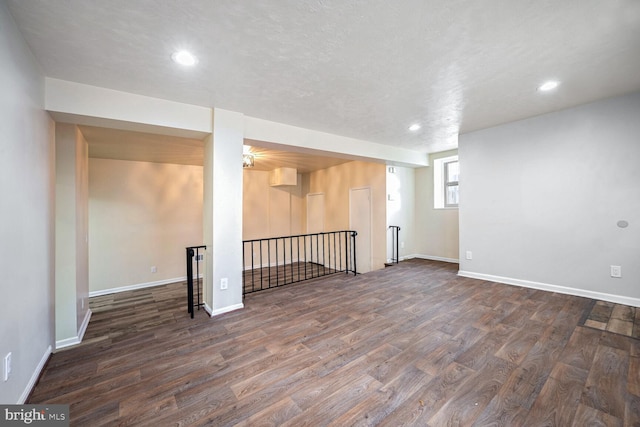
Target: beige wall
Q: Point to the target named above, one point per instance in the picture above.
(270, 211)
(436, 230)
(335, 182)
(141, 215)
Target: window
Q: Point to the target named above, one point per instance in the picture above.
(446, 171)
(451, 173)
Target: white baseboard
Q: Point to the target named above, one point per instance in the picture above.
(68, 342)
(85, 323)
(618, 299)
(430, 257)
(223, 310)
(208, 309)
(138, 286)
(35, 376)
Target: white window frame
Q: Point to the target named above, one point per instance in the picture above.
(447, 183)
(439, 182)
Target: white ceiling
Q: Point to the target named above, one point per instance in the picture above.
(105, 143)
(363, 69)
(118, 144)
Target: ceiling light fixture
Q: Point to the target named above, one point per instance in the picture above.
(185, 58)
(248, 158)
(414, 127)
(547, 86)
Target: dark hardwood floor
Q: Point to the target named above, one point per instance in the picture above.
(259, 279)
(411, 345)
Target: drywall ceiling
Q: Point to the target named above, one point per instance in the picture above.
(117, 144)
(267, 159)
(363, 69)
(105, 143)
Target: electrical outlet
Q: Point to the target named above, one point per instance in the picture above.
(616, 271)
(224, 283)
(199, 257)
(154, 269)
(7, 367)
(402, 245)
(469, 255)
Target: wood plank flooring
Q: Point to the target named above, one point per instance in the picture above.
(259, 279)
(616, 318)
(411, 345)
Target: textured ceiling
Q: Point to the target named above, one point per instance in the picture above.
(363, 69)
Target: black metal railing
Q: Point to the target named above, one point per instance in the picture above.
(194, 251)
(395, 245)
(279, 261)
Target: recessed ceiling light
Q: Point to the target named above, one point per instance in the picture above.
(547, 86)
(414, 127)
(183, 57)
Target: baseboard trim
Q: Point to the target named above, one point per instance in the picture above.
(85, 323)
(223, 310)
(34, 377)
(431, 257)
(618, 299)
(68, 342)
(138, 286)
(208, 309)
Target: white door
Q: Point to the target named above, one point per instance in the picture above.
(360, 221)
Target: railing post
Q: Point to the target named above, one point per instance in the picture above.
(397, 244)
(190, 281)
(190, 252)
(355, 264)
(347, 252)
(244, 267)
(198, 276)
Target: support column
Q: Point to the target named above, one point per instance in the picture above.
(222, 212)
(72, 252)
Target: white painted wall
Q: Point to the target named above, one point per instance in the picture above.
(71, 102)
(401, 209)
(436, 232)
(141, 215)
(300, 139)
(540, 199)
(72, 277)
(27, 215)
(222, 221)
